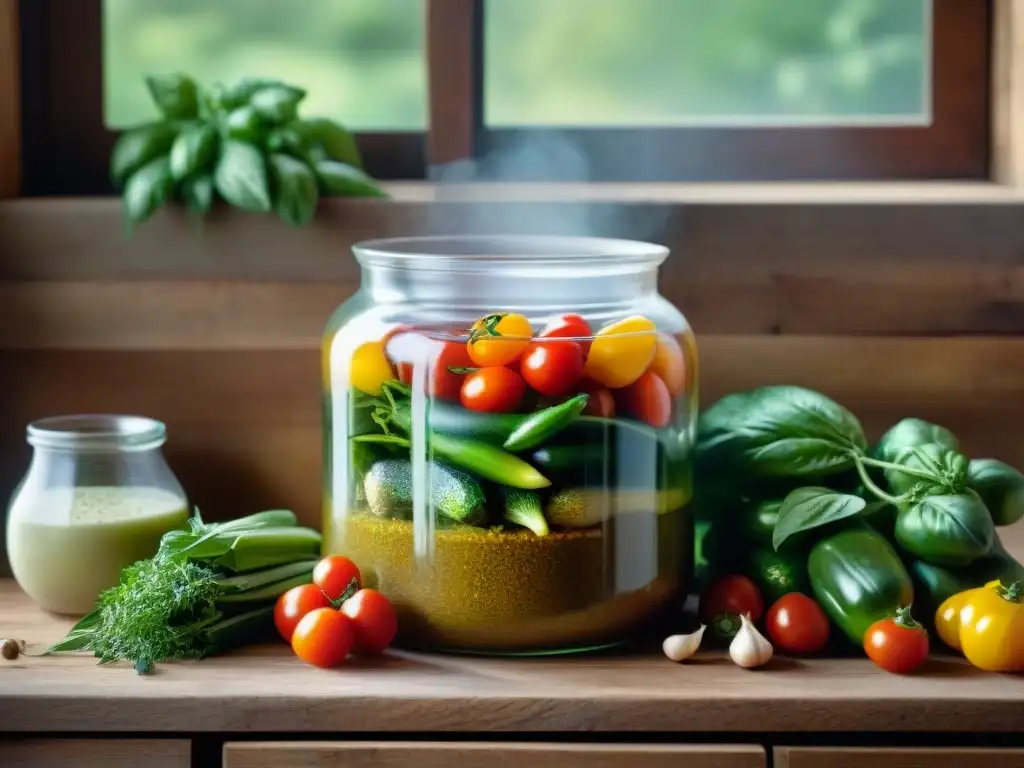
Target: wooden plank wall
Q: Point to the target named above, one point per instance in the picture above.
(893, 310)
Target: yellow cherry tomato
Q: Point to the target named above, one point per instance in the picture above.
(498, 339)
(370, 368)
(621, 352)
(947, 619)
(992, 627)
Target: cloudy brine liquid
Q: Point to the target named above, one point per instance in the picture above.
(66, 545)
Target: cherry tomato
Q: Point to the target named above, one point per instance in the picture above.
(897, 644)
(647, 399)
(552, 368)
(797, 624)
(601, 402)
(373, 618)
(323, 637)
(294, 604)
(370, 368)
(498, 339)
(669, 363)
(494, 390)
(569, 327)
(334, 574)
(726, 599)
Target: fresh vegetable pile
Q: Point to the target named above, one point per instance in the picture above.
(524, 427)
(245, 143)
(208, 589)
(794, 502)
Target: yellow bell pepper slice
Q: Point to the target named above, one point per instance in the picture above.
(621, 352)
(991, 631)
(370, 368)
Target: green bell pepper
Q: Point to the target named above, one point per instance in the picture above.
(933, 585)
(777, 573)
(858, 578)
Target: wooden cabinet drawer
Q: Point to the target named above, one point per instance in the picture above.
(95, 753)
(487, 755)
(910, 757)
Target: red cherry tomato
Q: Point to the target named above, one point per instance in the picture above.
(601, 402)
(569, 327)
(443, 383)
(669, 364)
(323, 637)
(494, 390)
(647, 399)
(797, 624)
(726, 599)
(334, 575)
(897, 644)
(373, 618)
(552, 368)
(294, 604)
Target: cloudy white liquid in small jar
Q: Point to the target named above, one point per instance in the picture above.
(73, 542)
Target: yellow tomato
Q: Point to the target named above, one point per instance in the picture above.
(621, 352)
(498, 339)
(992, 627)
(370, 368)
(947, 619)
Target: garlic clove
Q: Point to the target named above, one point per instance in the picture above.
(682, 647)
(749, 648)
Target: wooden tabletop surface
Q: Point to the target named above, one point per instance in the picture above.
(265, 689)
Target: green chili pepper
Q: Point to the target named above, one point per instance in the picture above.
(488, 462)
(543, 424)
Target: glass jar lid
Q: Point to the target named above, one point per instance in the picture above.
(97, 432)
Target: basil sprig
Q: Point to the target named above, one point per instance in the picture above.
(245, 144)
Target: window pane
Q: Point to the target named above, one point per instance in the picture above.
(665, 62)
(362, 61)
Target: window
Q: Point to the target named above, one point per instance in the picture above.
(632, 90)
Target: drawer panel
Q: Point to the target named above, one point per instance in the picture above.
(95, 753)
(488, 755)
(887, 757)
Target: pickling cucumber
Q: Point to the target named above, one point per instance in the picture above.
(389, 491)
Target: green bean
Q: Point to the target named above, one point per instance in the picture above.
(544, 424)
(488, 462)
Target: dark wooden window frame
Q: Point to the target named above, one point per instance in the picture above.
(66, 144)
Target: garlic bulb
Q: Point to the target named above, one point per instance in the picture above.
(682, 647)
(749, 648)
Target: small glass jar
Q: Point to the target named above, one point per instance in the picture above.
(97, 497)
(488, 535)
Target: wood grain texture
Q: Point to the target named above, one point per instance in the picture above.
(849, 757)
(266, 688)
(735, 268)
(382, 754)
(95, 753)
(1008, 93)
(453, 79)
(10, 100)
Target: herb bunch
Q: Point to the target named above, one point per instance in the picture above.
(245, 144)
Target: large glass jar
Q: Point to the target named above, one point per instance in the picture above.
(96, 498)
(507, 431)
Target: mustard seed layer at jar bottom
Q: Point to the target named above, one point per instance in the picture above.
(512, 590)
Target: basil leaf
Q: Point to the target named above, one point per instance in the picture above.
(1000, 486)
(333, 141)
(193, 151)
(289, 142)
(812, 507)
(134, 148)
(241, 93)
(176, 96)
(147, 189)
(295, 192)
(277, 104)
(346, 180)
(244, 124)
(778, 431)
(947, 470)
(241, 177)
(198, 193)
(946, 529)
(908, 433)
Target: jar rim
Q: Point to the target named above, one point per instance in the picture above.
(97, 431)
(463, 253)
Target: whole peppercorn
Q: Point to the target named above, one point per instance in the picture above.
(10, 649)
